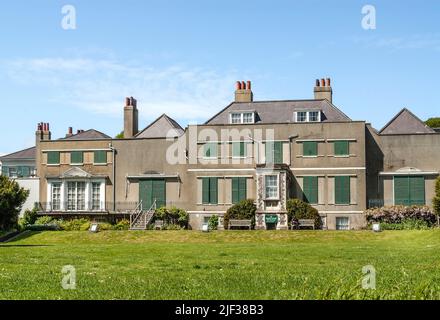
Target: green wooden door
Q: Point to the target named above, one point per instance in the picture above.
(150, 190)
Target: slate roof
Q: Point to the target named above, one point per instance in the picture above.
(26, 154)
(405, 122)
(281, 111)
(162, 127)
(90, 134)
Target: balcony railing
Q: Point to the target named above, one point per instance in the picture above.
(94, 207)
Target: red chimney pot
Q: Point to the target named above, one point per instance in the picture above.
(238, 85)
(322, 83)
(248, 85)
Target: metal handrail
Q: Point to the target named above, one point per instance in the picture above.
(136, 210)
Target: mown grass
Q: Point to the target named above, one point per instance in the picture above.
(222, 265)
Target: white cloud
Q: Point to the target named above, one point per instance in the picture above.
(100, 86)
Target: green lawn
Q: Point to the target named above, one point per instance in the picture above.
(222, 265)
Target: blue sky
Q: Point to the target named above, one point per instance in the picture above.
(183, 57)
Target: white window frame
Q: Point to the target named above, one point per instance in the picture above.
(277, 197)
(308, 116)
(348, 223)
(60, 194)
(242, 117)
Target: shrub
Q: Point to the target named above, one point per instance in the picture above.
(75, 225)
(12, 198)
(245, 209)
(399, 214)
(44, 220)
(213, 222)
(298, 209)
(105, 226)
(124, 224)
(406, 224)
(29, 217)
(172, 216)
(43, 227)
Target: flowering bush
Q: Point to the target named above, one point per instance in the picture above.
(400, 214)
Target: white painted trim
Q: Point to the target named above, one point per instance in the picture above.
(309, 140)
(226, 177)
(325, 169)
(70, 150)
(220, 170)
(342, 139)
(409, 173)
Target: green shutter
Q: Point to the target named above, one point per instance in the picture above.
(76, 157)
(341, 148)
(5, 171)
(210, 150)
(100, 156)
(278, 152)
(342, 190)
(235, 190)
(159, 192)
(310, 148)
(205, 190)
(401, 190)
(213, 192)
(269, 151)
(310, 189)
(417, 190)
(238, 149)
(53, 157)
(242, 189)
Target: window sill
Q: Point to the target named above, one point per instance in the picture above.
(77, 164)
(99, 164)
(53, 165)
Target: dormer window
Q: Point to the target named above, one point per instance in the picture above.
(242, 117)
(307, 116)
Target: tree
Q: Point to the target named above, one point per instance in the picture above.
(436, 200)
(245, 209)
(12, 198)
(433, 122)
(120, 135)
(298, 209)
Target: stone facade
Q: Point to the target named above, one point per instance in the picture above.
(342, 166)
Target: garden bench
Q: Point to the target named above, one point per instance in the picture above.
(158, 224)
(304, 223)
(239, 223)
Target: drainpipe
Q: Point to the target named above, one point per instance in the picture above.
(114, 175)
(290, 148)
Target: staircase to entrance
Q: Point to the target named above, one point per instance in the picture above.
(139, 218)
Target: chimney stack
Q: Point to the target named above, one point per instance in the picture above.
(323, 90)
(243, 92)
(130, 117)
(69, 132)
(43, 132)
